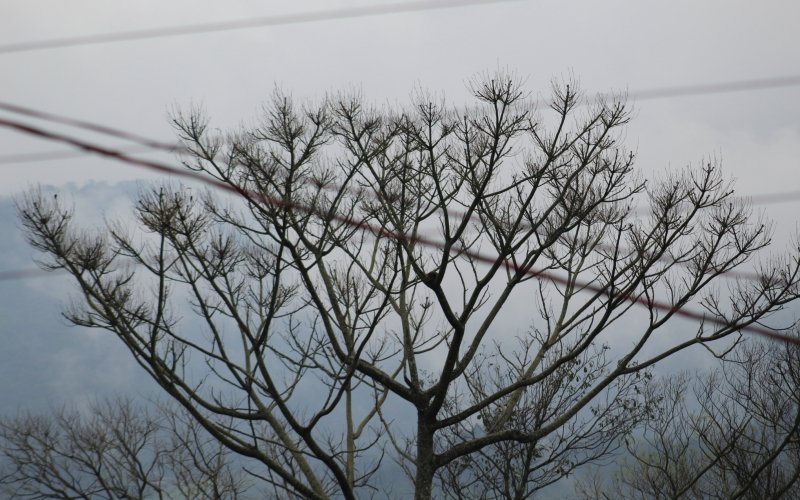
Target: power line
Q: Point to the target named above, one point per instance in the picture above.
(94, 127)
(752, 326)
(21, 274)
(258, 22)
(717, 88)
(770, 198)
(65, 154)
(759, 199)
(647, 94)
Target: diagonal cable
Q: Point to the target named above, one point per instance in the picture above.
(94, 127)
(238, 24)
(362, 225)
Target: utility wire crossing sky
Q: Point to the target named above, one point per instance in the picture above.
(148, 145)
(156, 145)
(752, 326)
(258, 22)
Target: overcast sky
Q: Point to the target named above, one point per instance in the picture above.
(611, 45)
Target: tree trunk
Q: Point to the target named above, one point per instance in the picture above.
(423, 482)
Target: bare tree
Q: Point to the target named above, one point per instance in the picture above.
(741, 439)
(354, 300)
(116, 449)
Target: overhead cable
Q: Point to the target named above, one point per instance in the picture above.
(21, 274)
(238, 24)
(750, 326)
(717, 88)
(148, 143)
(657, 93)
(94, 127)
(63, 154)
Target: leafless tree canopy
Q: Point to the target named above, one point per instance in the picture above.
(114, 450)
(738, 436)
(473, 295)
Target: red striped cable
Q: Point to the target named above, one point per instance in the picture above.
(751, 327)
